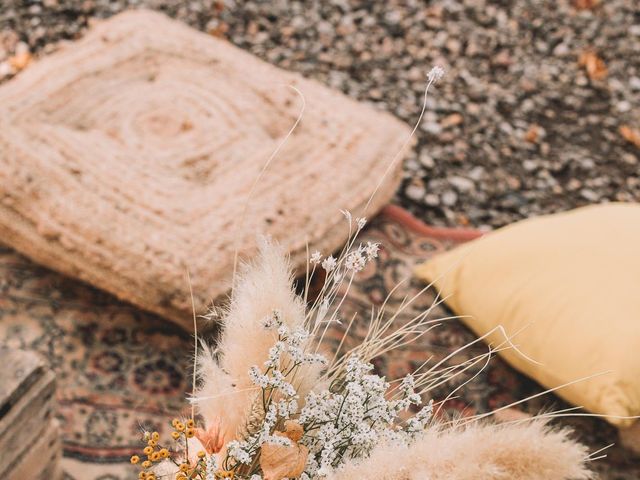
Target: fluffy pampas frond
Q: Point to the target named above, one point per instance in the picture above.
(524, 451)
(226, 393)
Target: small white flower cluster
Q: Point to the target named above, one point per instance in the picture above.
(435, 74)
(354, 260)
(212, 467)
(241, 452)
(329, 264)
(273, 320)
(352, 418)
(345, 421)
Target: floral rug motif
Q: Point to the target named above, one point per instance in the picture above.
(119, 369)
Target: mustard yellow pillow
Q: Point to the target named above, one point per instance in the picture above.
(570, 284)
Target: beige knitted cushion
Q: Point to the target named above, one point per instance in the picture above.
(127, 157)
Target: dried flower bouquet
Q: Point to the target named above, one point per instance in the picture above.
(271, 405)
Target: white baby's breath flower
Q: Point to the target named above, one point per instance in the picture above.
(277, 440)
(315, 258)
(273, 321)
(355, 261)
(329, 264)
(435, 74)
(212, 467)
(257, 378)
(371, 250)
(240, 451)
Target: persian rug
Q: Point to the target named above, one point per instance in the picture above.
(118, 150)
(120, 369)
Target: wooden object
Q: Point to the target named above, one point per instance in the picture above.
(127, 159)
(29, 443)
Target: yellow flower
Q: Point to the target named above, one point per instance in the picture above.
(146, 464)
(179, 426)
(190, 432)
(148, 450)
(135, 459)
(164, 453)
(184, 467)
(174, 422)
(201, 454)
(155, 456)
(175, 435)
(181, 476)
(152, 443)
(142, 475)
(151, 476)
(155, 436)
(191, 423)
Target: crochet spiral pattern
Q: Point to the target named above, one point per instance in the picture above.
(127, 159)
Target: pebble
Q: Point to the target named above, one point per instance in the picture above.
(415, 191)
(431, 199)
(461, 184)
(449, 198)
(590, 195)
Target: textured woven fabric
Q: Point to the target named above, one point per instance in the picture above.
(128, 157)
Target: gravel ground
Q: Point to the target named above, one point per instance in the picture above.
(517, 127)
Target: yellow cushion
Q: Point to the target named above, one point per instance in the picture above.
(570, 284)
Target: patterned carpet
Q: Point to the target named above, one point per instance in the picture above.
(119, 368)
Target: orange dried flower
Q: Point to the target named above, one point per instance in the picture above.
(212, 439)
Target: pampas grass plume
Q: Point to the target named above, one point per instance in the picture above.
(226, 392)
(524, 451)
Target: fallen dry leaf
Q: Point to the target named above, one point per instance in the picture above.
(594, 65)
(451, 120)
(630, 134)
(586, 4)
(532, 134)
(20, 61)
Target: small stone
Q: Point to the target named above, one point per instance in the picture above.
(431, 199)
(561, 50)
(629, 159)
(433, 128)
(449, 198)
(427, 161)
(587, 163)
(590, 195)
(461, 184)
(574, 184)
(476, 173)
(623, 106)
(415, 191)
